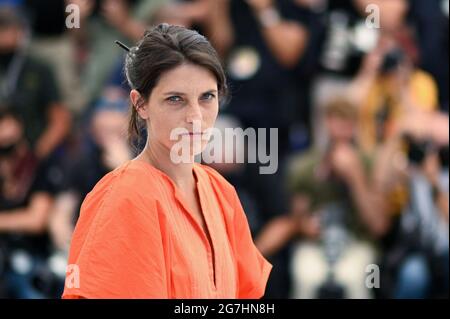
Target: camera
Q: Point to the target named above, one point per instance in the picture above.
(392, 60)
(417, 150)
(334, 242)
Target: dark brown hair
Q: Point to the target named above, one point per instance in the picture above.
(161, 49)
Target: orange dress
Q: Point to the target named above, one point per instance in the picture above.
(135, 238)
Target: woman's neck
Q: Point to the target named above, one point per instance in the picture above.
(159, 156)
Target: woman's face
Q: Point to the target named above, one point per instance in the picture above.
(181, 109)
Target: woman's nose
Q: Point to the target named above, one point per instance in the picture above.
(193, 113)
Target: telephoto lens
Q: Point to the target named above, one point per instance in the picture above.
(334, 241)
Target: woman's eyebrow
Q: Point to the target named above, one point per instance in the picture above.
(174, 93)
(181, 93)
(210, 91)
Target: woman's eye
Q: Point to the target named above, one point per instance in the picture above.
(174, 99)
(208, 96)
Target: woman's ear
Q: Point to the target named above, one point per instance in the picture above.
(139, 104)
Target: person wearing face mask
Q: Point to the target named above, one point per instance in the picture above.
(26, 194)
(29, 85)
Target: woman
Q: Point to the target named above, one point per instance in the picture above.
(158, 227)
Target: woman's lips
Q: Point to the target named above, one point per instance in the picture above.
(194, 134)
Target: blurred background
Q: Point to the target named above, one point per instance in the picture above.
(359, 205)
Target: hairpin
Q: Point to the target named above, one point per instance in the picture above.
(123, 46)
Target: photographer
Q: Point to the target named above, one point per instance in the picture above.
(29, 85)
(411, 171)
(101, 23)
(332, 197)
(349, 34)
(388, 87)
(26, 195)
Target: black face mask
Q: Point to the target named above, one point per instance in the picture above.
(8, 150)
(5, 59)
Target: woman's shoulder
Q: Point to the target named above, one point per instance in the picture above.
(129, 180)
(127, 191)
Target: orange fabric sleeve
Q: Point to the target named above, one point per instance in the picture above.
(122, 254)
(253, 268)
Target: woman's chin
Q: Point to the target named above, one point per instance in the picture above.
(186, 153)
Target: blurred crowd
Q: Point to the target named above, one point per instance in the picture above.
(359, 206)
